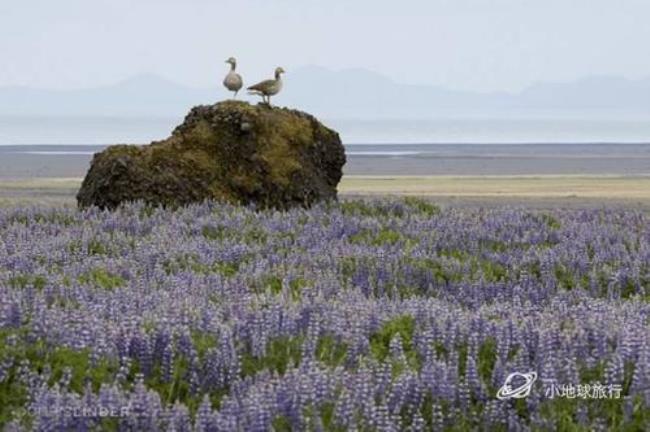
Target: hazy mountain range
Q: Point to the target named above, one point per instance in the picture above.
(350, 93)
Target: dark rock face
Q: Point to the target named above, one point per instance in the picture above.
(231, 151)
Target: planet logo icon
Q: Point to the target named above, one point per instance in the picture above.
(523, 382)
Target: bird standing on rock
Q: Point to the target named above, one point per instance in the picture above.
(233, 81)
(268, 88)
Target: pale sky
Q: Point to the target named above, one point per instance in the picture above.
(481, 45)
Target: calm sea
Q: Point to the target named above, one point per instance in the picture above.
(63, 147)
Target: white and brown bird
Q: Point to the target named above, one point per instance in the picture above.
(233, 81)
(268, 88)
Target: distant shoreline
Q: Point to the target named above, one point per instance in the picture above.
(55, 161)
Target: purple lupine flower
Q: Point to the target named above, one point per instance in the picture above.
(438, 419)
(614, 372)
(467, 275)
(204, 416)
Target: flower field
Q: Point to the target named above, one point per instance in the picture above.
(381, 315)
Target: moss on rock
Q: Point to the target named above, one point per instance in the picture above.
(231, 151)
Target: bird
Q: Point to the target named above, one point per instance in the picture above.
(268, 88)
(233, 81)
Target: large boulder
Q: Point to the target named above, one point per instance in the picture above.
(231, 151)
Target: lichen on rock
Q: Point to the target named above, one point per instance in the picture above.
(231, 151)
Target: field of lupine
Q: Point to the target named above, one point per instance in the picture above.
(379, 315)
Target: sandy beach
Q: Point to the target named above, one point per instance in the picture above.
(551, 186)
(530, 191)
(538, 191)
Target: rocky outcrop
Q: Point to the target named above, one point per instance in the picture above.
(231, 151)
